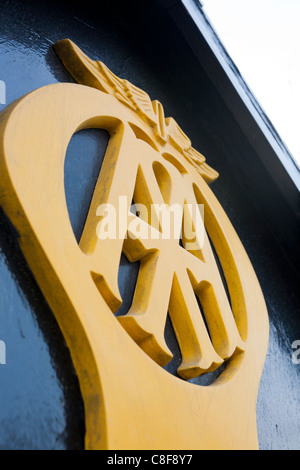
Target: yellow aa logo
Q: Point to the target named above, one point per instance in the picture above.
(170, 276)
(155, 166)
(130, 401)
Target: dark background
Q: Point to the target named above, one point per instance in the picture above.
(40, 401)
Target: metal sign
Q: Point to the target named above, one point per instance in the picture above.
(131, 402)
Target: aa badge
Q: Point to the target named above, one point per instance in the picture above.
(152, 203)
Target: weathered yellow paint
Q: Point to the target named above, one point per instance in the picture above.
(130, 401)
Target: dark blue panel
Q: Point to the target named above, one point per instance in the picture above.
(83, 162)
(40, 401)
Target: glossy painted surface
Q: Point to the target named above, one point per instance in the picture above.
(41, 406)
(40, 401)
(155, 410)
